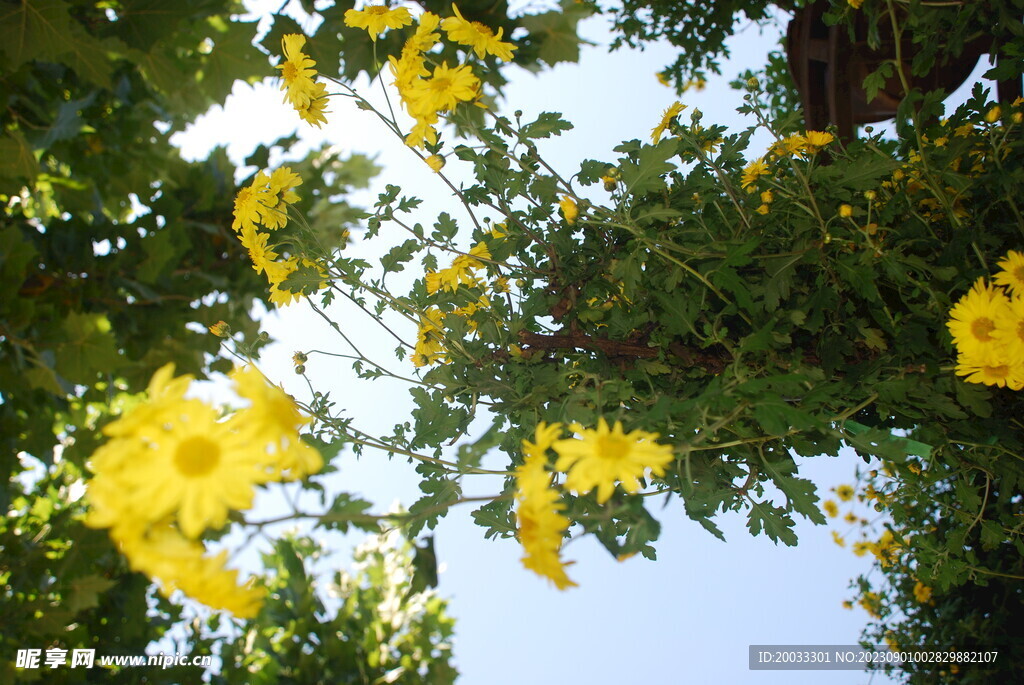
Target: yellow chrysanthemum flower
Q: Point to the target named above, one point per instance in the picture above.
(191, 466)
(972, 322)
(259, 252)
(429, 338)
(751, 173)
(274, 421)
(604, 456)
(667, 117)
(569, 209)
(540, 523)
(830, 507)
(850, 517)
(838, 539)
(1010, 331)
(445, 89)
(1001, 375)
(817, 139)
(1012, 274)
(315, 110)
(435, 162)
(426, 35)
(844, 493)
(297, 72)
(377, 19)
(477, 36)
(861, 548)
(922, 593)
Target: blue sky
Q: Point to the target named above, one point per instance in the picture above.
(688, 617)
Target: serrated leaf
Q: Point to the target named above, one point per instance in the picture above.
(772, 520)
(89, 57)
(645, 174)
(546, 125)
(34, 29)
(233, 58)
(86, 591)
(89, 348)
(497, 519)
(306, 279)
(17, 161)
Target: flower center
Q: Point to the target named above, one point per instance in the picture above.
(1018, 273)
(196, 456)
(289, 72)
(612, 447)
(981, 327)
(998, 371)
(379, 10)
(483, 30)
(440, 84)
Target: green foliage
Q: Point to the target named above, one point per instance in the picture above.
(113, 247)
(377, 623)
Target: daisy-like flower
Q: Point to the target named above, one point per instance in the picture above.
(972, 322)
(192, 466)
(251, 203)
(1001, 375)
(1012, 274)
(429, 338)
(315, 109)
(297, 72)
(922, 593)
(259, 252)
(445, 89)
(477, 36)
(605, 456)
(1010, 331)
(426, 35)
(844, 493)
(569, 209)
(667, 117)
(830, 507)
(435, 162)
(838, 539)
(751, 173)
(274, 421)
(817, 139)
(541, 525)
(377, 19)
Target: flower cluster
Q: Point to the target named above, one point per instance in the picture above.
(264, 203)
(174, 469)
(987, 325)
(599, 460)
(427, 93)
(302, 91)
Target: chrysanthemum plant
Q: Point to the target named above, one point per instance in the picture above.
(682, 322)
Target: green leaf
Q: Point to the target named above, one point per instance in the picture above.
(17, 161)
(233, 58)
(396, 258)
(772, 520)
(86, 590)
(306, 279)
(34, 29)
(141, 23)
(497, 519)
(645, 174)
(546, 125)
(89, 348)
(89, 57)
(554, 33)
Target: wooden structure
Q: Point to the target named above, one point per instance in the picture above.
(829, 71)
